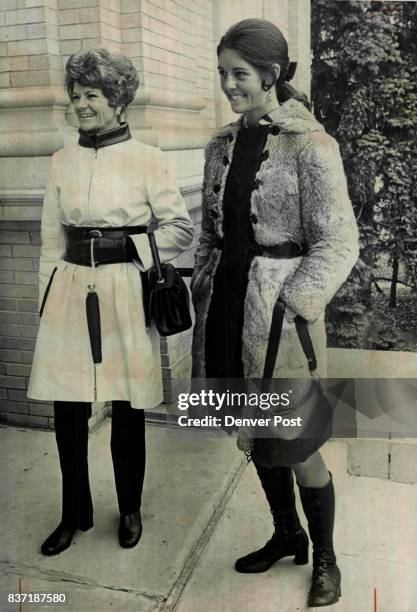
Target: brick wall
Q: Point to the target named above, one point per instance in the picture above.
(29, 44)
(19, 251)
(90, 23)
(205, 32)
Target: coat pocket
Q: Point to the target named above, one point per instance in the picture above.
(45, 295)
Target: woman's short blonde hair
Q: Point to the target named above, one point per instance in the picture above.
(112, 73)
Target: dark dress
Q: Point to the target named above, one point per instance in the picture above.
(226, 312)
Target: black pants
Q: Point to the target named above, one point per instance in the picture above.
(128, 453)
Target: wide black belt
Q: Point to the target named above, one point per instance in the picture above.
(284, 250)
(109, 244)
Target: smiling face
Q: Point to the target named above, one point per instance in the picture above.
(242, 84)
(93, 110)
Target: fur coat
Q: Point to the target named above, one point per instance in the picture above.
(299, 195)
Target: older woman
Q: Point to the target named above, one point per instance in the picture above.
(277, 224)
(101, 194)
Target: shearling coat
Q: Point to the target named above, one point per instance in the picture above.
(118, 185)
(299, 195)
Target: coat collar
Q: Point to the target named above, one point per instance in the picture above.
(104, 139)
(290, 117)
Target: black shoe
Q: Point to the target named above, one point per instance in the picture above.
(130, 529)
(274, 550)
(319, 508)
(58, 541)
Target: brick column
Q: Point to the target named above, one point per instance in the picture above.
(32, 109)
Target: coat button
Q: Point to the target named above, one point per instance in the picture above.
(216, 188)
(274, 130)
(225, 160)
(256, 183)
(254, 219)
(214, 213)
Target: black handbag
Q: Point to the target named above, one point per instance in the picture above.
(166, 297)
(284, 446)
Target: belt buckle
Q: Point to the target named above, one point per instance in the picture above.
(95, 233)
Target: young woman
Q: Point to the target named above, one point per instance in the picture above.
(277, 223)
(102, 193)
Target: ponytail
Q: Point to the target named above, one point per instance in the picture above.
(285, 92)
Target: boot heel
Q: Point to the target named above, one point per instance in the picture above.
(301, 551)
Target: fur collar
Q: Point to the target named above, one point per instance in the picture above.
(290, 117)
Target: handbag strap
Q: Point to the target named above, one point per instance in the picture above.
(157, 261)
(275, 337)
(155, 256)
(304, 335)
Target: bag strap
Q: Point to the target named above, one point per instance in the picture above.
(157, 261)
(155, 257)
(275, 337)
(304, 335)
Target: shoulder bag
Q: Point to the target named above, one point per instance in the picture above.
(279, 445)
(166, 297)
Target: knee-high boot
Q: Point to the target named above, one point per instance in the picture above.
(319, 508)
(289, 537)
(71, 432)
(129, 458)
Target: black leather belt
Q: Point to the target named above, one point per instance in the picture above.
(284, 250)
(110, 244)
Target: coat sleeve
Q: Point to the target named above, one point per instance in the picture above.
(207, 238)
(330, 229)
(175, 230)
(52, 234)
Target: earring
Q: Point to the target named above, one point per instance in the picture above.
(269, 98)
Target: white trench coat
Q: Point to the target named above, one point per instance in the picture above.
(123, 184)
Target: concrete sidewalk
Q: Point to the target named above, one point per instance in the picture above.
(202, 509)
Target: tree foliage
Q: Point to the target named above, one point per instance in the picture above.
(365, 92)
